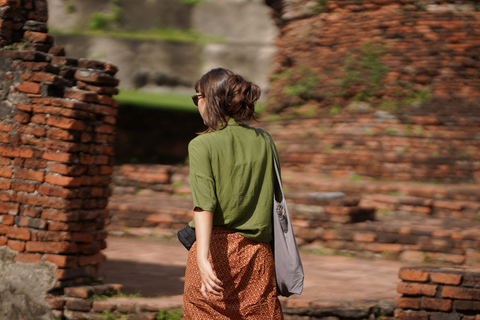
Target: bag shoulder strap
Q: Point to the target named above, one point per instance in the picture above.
(277, 174)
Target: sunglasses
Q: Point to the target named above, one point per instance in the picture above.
(196, 97)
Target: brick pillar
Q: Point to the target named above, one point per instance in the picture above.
(436, 293)
(56, 148)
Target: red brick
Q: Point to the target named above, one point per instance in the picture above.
(51, 236)
(62, 261)
(5, 172)
(467, 305)
(23, 186)
(16, 245)
(103, 305)
(461, 293)
(24, 107)
(83, 237)
(21, 117)
(29, 87)
(51, 247)
(32, 212)
(436, 304)
(402, 315)
(7, 220)
(24, 152)
(55, 191)
(446, 278)
(81, 95)
(7, 151)
(6, 127)
(43, 77)
(59, 134)
(413, 274)
(59, 156)
(27, 258)
(106, 128)
(50, 202)
(61, 226)
(409, 303)
(36, 37)
(39, 119)
(70, 274)
(29, 175)
(79, 292)
(19, 233)
(66, 123)
(33, 130)
(5, 184)
(416, 289)
(3, 240)
(35, 164)
(364, 237)
(57, 215)
(63, 181)
(91, 260)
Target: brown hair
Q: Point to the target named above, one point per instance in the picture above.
(227, 95)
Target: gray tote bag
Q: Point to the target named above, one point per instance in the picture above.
(288, 265)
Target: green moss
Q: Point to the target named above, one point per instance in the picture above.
(175, 314)
(70, 7)
(336, 109)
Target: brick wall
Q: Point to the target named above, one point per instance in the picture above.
(413, 145)
(433, 293)
(56, 154)
(417, 46)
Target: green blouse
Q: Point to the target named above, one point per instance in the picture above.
(231, 175)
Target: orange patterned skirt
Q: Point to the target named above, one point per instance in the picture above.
(247, 270)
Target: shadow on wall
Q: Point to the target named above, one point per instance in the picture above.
(147, 135)
(148, 279)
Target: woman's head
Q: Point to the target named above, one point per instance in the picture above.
(225, 95)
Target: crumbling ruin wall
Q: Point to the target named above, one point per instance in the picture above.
(56, 158)
(386, 53)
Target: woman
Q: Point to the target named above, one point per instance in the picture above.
(230, 270)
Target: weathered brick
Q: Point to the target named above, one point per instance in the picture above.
(60, 134)
(51, 247)
(19, 233)
(23, 186)
(78, 305)
(446, 278)
(62, 261)
(437, 304)
(402, 315)
(58, 215)
(27, 258)
(467, 305)
(65, 123)
(6, 172)
(416, 289)
(71, 273)
(409, 303)
(104, 305)
(92, 259)
(414, 274)
(7, 220)
(59, 156)
(461, 293)
(21, 117)
(63, 181)
(29, 87)
(55, 191)
(81, 95)
(84, 292)
(51, 236)
(16, 245)
(5, 184)
(31, 175)
(364, 237)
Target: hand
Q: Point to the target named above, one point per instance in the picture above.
(210, 283)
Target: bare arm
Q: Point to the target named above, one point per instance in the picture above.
(203, 231)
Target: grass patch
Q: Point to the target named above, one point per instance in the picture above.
(163, 100)
(172, 101)
(159, 34)
(176, 314)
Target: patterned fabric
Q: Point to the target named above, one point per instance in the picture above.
(247, 270)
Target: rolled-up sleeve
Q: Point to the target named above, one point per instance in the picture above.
(202, 182)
